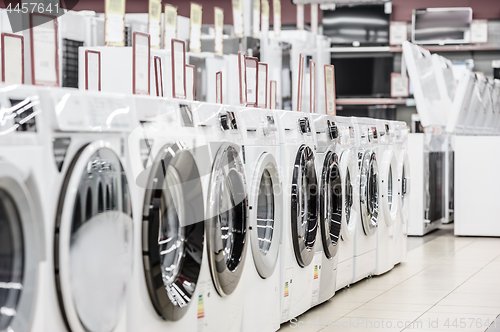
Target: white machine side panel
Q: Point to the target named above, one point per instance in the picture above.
(416, 157)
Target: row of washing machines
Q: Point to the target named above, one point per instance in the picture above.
(134, 213)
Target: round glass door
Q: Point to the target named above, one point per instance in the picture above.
(304, 207)
(173, 231)
(331, 205)
(94, 241)
(369, 192)
(11, 260)
(265, 212)
(227, 220)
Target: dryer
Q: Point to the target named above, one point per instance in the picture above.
(168, 216)
(331, 205)
(220, 286)
(300, 212)
(347, 151)
(388, 184)
(403, 188)
(22, 232)
(87, 211)
(265, 226)
(366, 198)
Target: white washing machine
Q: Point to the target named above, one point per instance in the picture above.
(168, 216)
(300, 212)
(265, 226)
(347, 152)
(331, 205)
(366, 198)
(389, 208)
(403, 188)
(22, 232)
(87, 210)
(220, 286)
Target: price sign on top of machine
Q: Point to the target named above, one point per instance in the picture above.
(242, 78)
(301, 82)
(330, 90)
(256, 19)
(312, 94)
(158, 76)
(178, 68)
(190, 82)
(170, 25)
(262, 85)
(265, 17)
(44, 62)
(92, 70)
(219, 30)
(154, 25)
(195, 29)
(252, 74)
(277, 17)
(114, 23)
(141, 49)
(272, 92)
(238, 18)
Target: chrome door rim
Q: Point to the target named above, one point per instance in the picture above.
(369, 192)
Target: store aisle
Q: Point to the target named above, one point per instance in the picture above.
(446, 284)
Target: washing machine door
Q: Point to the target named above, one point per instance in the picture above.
(265, 215)
(388, 187)
(173, 231)
(227, 219)
(18, 252)
(369, 192)
(347, 167)
(331, 204)
(304, 207)
(93, 240)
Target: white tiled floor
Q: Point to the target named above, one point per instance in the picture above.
(446, 284)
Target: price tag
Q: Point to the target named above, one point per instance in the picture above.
(479, 31)
(218, 87)
(330, 90)
(277, 17)
(301, 82)
(170, 29)
(158, 76)
(12, 58)
(92, 70)
(44, 58)
(256, 18)
(265, 17)
(273, 92)
(399, 85)
(398, 33)
(238, 18)
(262, 85)
(243, 78)
(312, 95)
(252, 65)
(114, 23)
(314, 18)
(141, 49)
(154, 25)
(300, 16)
(190, 82)
(219, 30)
(195, 30)
(178, 68)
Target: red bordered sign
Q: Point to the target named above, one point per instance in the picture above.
(252, 73)
(190, 82)
(141, 63)
(262, 85)
(301, 82)
(312, 86)
(242, 77)
(92, 75)
(158, 76)
(12, 53)
(218, 87)
(273, 93)
(178, 53)
(330, 89)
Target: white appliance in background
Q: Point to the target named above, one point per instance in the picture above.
(404, 191)
(496, 105)
(366, 198)
(261, 311)
(460, 107)
(221, 285)
(388, 196)
(169, 216)
(277, 55)
(23, 245)
(88, 219)
(348, 163)
(300, 212)
(443, 69)
(325, 132)
(476, 114)
(488, 126)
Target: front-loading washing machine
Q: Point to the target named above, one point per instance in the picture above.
(86, 205)
(300, 214)
(265, 226)
(168, 216)
(22, 232)
(331, 206)
(366, 198)
(220, 285)
(388, 210)
(347, 152)
(403, 188)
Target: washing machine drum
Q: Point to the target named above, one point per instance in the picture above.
(304, 207)
(227, 219)
(93, 241)
(369, 192)
(330, 215)
(18, 253)
(173, 231)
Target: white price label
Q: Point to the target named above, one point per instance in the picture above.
(251, 64)
(277, 17)
(300, 16)
(262, 86)
(330, 90)
(195, 31)
(256, 18)
(12, 58)
(479, 31)
(219, 30)
(399, 85)
(141, 51)
(114, 24)
(170, 26)
(44, 62)
(398, 33)
(238, 17)
(273, 92)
